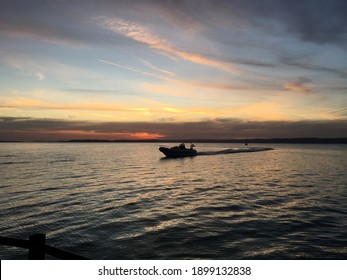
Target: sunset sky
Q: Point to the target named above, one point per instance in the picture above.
(172, 69)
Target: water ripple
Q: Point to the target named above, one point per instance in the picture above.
(120, 201)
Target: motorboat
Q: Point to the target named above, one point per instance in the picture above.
(178, 151)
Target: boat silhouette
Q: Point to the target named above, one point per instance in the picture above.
(178, 151)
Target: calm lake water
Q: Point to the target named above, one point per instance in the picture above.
(124, 201)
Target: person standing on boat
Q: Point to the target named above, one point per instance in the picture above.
(192, 146)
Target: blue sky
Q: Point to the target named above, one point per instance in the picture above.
(172, 69)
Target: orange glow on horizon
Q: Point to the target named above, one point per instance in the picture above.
(95, 135)
(145, 136)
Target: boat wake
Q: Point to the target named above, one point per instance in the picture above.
(234, 151)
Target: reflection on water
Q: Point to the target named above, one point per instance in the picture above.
(122, 201)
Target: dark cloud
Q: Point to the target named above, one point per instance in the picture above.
(316, 21)
(291, 61)
(73, 23)
(50, 129)
(68, 23)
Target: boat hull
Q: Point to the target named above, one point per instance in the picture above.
(177, 152)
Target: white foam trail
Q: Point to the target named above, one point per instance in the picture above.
(234, 151)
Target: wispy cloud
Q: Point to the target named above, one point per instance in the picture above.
(77, 105)
(40, 76)
(184, 63)
(144, 35)
(300, 86)
(24, 65)
(133, 69)
(150, 65)
(313, 67)
(173, 110)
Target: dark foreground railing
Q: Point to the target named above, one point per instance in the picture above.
(38, 248)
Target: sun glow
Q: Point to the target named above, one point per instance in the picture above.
(145, 136)
(95, 135)
(155, 70)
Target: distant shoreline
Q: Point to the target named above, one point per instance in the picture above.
(312, 140)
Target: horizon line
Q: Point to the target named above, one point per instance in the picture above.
(285, 140)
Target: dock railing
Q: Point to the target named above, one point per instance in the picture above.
(38, 248)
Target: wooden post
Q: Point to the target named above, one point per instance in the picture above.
(37, 246)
